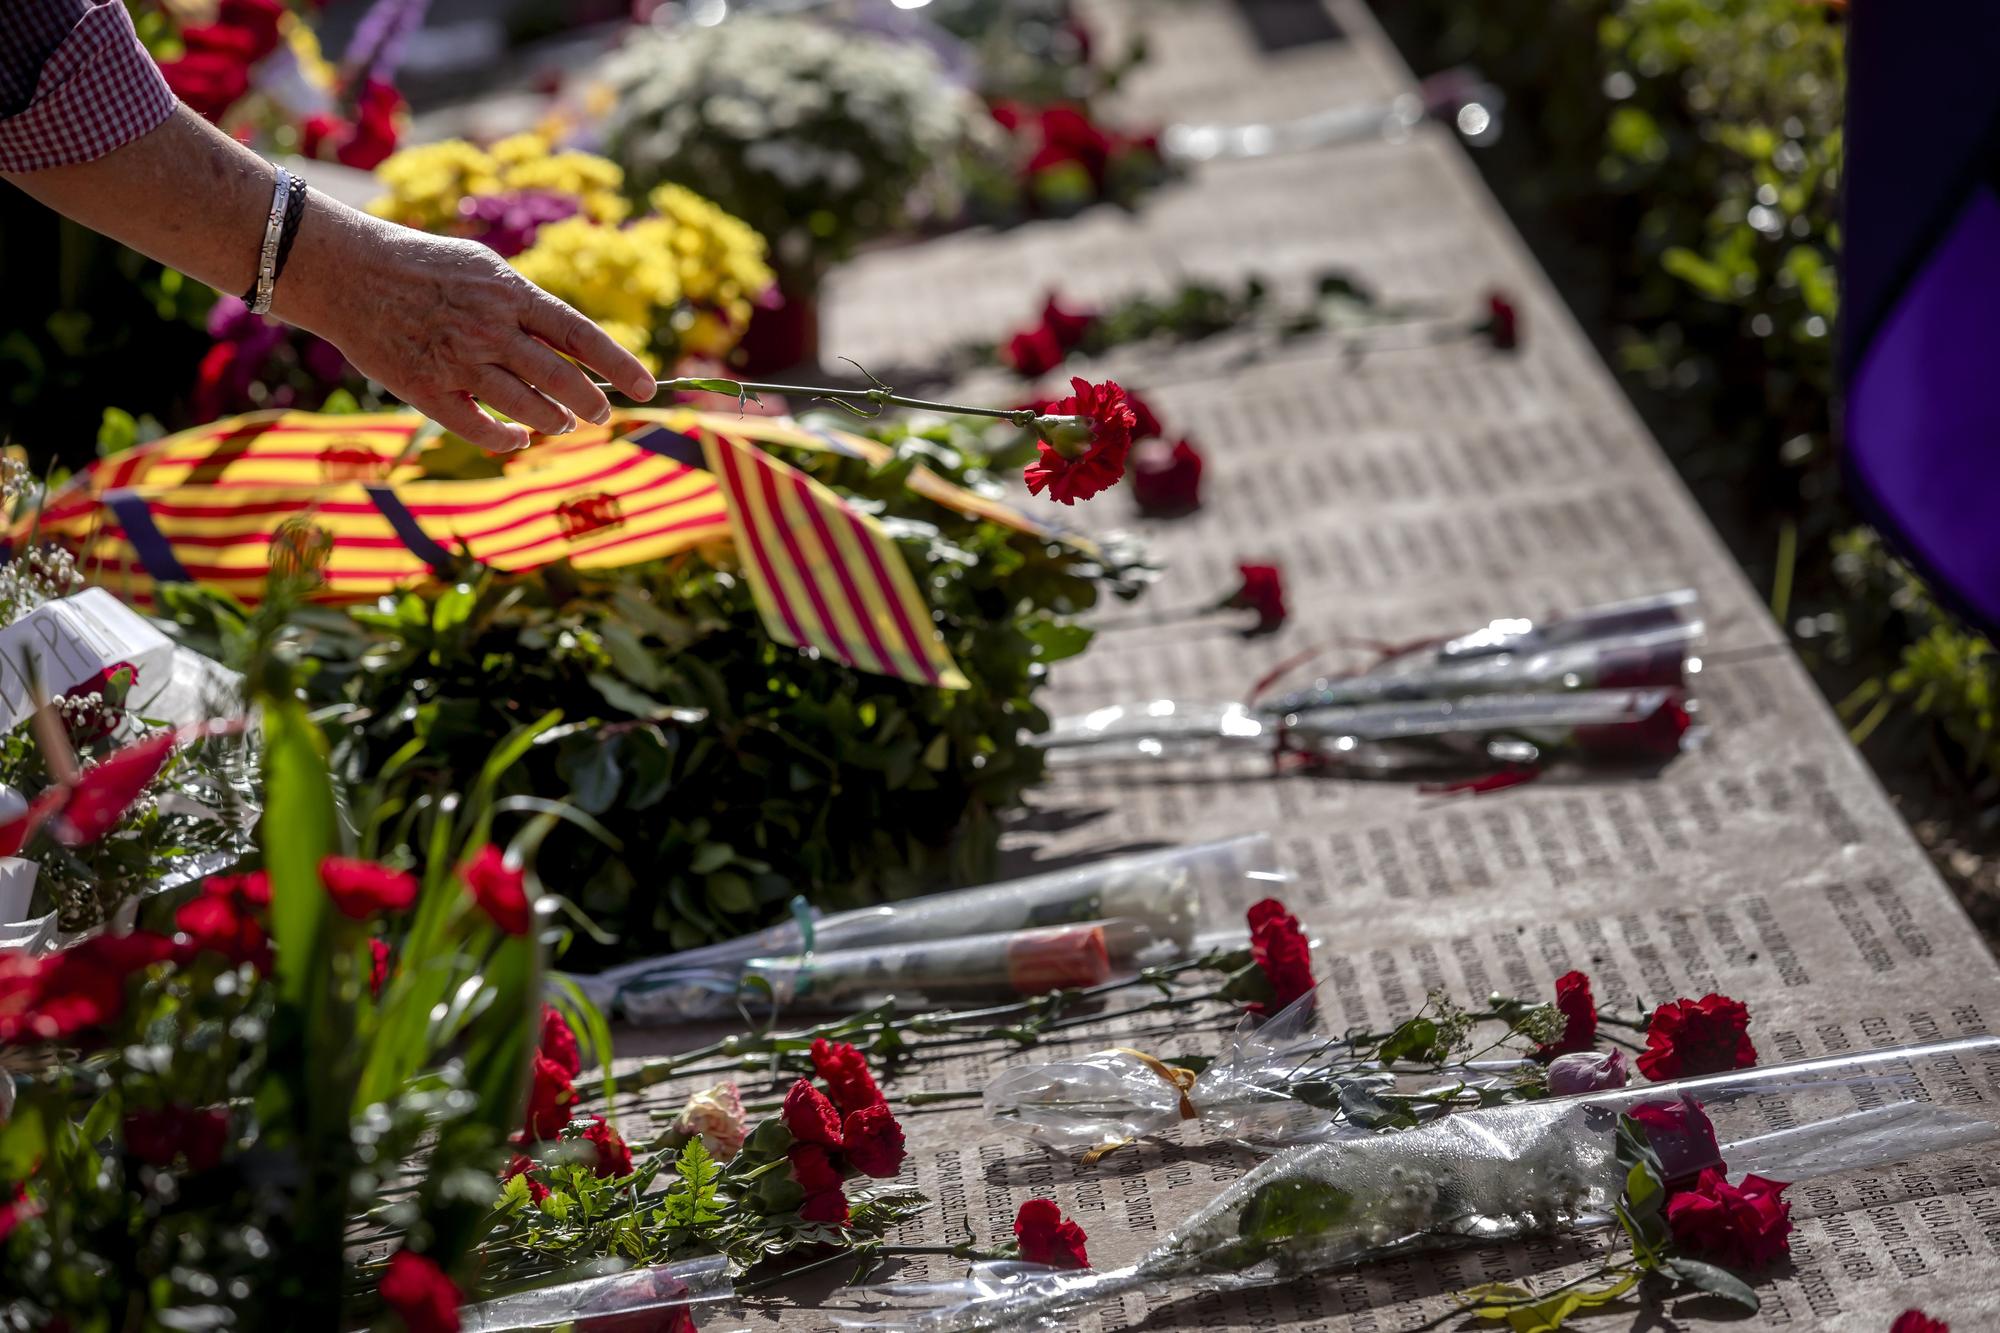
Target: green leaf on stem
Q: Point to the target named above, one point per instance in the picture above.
(1714, 1281)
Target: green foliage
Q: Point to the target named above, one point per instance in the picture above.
(711, 773)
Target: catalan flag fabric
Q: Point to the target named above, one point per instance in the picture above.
(825, 575)
(370, 503)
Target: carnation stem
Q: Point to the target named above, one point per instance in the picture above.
(879, 397)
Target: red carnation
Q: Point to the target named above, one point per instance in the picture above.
(1502, 325)
(1145, 425)
(874, 1141)
(419, 1292)
(373, 137)
(1047, 1237)
(500, 890)
(1166, 479)
(1075, 470)
(83, 987)
(559, 1041)
(360, 889)
(810, 1116)
(1739, 1226)
(1032, 352)
(524, 1165)
(1282, 953)
(550, 1096)
(1262, 591)
(17, 1209)
(102, 795)
(813, 1168)
(1070, 327)
(1579, 1011)
(1656, 737)
(828, 1208)
(157, 1137)
(614, 1158)
(1688, 1037)
(378, 965)
(844, 1070)
(1916, 1321)
(225, 919)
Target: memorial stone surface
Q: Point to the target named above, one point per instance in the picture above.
(1408, 493)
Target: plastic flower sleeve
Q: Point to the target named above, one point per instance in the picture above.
(627, 1302)
(1526, 1169)
(1001, 966)
(1106, 1098)
(1160, 893)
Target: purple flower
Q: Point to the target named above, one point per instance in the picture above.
(377, 46)
(323, 361)
(1587, 1071)
(229, 319)
(508, 222)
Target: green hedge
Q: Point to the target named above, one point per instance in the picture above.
(1682, 158)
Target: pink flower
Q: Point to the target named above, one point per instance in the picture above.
(1587, 1071)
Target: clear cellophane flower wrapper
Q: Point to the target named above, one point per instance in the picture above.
(1533, 1168)
(1150, 906)
(630, 1301)
(1399, 736)
(1511, 691)
(1110, 1097)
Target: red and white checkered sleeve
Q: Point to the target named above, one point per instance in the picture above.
(97, 91)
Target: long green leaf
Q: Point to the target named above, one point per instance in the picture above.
(298, 833)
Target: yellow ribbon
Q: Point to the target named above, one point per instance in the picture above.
(1181, 1080)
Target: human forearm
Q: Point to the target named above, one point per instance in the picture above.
(438, 322)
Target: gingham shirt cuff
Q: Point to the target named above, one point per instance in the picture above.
(99, 91)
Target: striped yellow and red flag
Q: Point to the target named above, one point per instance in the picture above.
(367, 504)
(826, 576)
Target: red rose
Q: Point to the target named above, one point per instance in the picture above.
(378, 965)
(82, 987)
(221, 921)
(1681, 1135)
(360, 889)
(810, 1116)
(1032, 352)
(874, 1141)
(1166, 479)
(1503, 322)
(1579, 1011)
(1076, 470)
(813, 1168)
(102, 794)
(524, 1165)
(500, 890)
(1916, 1321)
(1688, 1037)
(419, 1292)
(550, 1095)
(1047, 1237)
(614, 1158)
(828, 1207)
(157, 1137)
(1262, 591)
(844, 1070)
(1739, 1226)
(559, 1041)
(1282, 953)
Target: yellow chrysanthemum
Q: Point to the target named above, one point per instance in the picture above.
(612, 274)
(425, 183)
(516, 149)
(595, 181)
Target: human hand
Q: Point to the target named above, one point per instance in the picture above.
(441, 322)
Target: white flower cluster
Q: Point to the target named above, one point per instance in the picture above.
(39, 574)
(816, 137)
